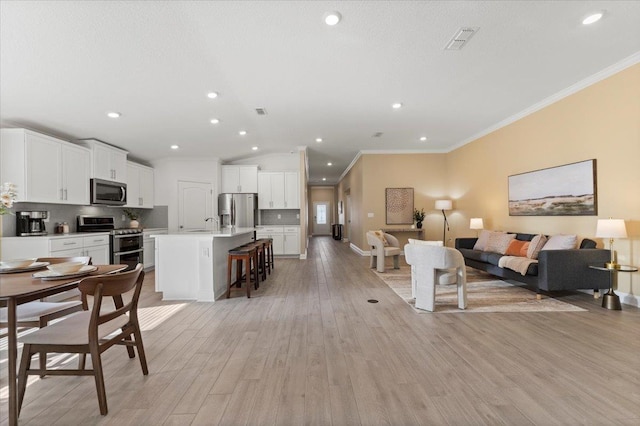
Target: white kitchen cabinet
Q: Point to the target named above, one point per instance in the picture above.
(286, 239)
(45, 169)
(291, 243)
(271, 190)
(97, 246)
(107, 162)
(278, 190)
(291, 190)
(149, 255)
(139, 186)
(239, 179)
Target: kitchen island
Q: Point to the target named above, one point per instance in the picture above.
(193, 265)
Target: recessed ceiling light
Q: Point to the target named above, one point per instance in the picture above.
(113, 114)
(255, 148)
(174, 147)
(242, 132)
(318, 140)
(212, 95)
(329, 164)
(595, 17)
(332, 18)
(214, 121)
(397, 105)
(423, 138)
(324, 178)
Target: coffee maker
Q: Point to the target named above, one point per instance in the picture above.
(31, 223)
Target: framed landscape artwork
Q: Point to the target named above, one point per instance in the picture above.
(399, 206)
(568, 190)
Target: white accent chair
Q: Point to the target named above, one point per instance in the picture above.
(379, 251)
(436, 265)
(413, 268)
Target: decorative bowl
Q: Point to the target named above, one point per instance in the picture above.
(17, 263)
(66, 267)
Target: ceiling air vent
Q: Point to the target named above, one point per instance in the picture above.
(261, 111)
(377, 135)
(461, 38)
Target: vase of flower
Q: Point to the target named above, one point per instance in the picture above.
(418, 216)
(133, 217)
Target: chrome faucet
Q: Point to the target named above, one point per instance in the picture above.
(215, 220)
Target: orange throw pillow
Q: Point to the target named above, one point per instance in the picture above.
(515, 248)
(524, 249)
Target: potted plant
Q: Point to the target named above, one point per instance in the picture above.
(133, 217)
(418, 216)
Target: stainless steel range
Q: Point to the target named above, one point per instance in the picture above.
(126, 244)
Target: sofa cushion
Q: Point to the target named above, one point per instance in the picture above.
(588, 244)
(525, 237)
(535, 246)
(561, 242)
(493, 258)
(482, 240)
(515, 248)
(498, 242)
(472, 254)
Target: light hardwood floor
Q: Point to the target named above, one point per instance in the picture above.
(307, 348)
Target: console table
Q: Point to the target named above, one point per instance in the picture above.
(419, 232)
(611, 300)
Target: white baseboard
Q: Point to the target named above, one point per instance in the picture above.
(358, 250)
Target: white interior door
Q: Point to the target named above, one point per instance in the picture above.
(195, 205)
(321, 218)
(347, 209)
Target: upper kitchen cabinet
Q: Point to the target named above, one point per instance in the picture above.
(239, 179)
(44, 169)
(139, 186)
(108, 162)
(278, 190)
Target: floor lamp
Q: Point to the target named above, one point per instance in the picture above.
(444, 205)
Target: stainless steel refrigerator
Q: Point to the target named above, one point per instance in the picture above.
(238, 210)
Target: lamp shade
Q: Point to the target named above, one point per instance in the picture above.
(611, 228)
(476, 223)
(444, 205)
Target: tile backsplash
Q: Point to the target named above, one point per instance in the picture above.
(280, 217)
(149, 218)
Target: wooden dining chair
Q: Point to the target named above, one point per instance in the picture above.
(39, 313)
(91, 331)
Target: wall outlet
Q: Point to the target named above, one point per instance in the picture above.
(369, 214)
(124, 217)
(279, 216)
(297, 215)
(46, 219)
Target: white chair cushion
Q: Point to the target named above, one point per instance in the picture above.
(32, 311)
(73, 330)
(391, 251)
(425, 242)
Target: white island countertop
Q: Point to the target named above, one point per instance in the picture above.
(193, 265)
(222, 233)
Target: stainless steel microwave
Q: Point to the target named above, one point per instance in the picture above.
(105, 192)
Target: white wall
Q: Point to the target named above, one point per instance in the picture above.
(168, 172)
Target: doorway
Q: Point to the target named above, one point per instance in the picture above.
(321, 218)
(194, 206)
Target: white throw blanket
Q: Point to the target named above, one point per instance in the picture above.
(516, 263)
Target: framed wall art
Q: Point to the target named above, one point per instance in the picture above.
(399, 206)
(567, 190)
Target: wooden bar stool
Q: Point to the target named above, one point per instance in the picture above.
(262, 261)
(257, 260)
(268, 253)
(246, 256)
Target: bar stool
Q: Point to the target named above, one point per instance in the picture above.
(262, 262)
(257, 263)
(246, 256)
(268, 253)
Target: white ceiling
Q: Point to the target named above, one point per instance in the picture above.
(64, 65)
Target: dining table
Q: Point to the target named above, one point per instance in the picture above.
(22, 287)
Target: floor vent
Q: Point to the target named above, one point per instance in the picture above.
(461, 38)
(372, 301)
(377, 135)
(261, 111)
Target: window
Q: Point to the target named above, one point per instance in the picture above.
(321, 214)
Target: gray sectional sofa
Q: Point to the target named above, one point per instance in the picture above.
(556, 269)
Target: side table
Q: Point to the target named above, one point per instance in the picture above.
(611, 300)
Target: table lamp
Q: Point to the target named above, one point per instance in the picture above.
(611, 228)
(444, 205)
(476, 223)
